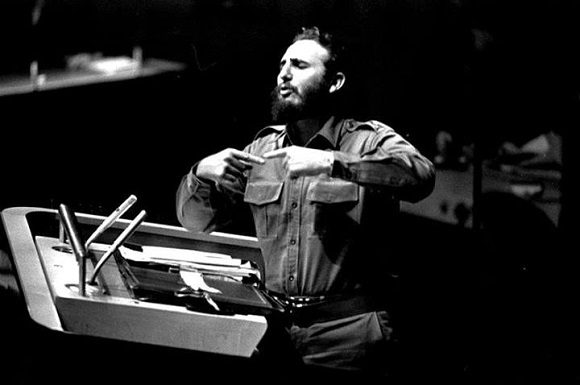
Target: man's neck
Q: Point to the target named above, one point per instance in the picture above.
(301, 131)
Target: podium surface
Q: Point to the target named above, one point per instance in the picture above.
(48, 278)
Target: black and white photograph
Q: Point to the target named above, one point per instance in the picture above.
(289, 192)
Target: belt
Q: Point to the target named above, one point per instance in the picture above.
(304, 311)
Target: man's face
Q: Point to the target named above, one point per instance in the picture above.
(302, 88)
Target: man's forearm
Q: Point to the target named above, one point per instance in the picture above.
(410, 176)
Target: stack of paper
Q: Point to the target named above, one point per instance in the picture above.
(186, 259)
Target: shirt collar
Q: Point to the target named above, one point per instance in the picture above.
(330, 132)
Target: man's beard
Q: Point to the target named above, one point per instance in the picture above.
(314, 101)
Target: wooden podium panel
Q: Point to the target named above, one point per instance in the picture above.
(48, 278)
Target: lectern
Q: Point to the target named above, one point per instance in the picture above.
(48, 276)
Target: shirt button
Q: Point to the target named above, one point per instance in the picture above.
(293, 241)
(294, 205)
(291, 278)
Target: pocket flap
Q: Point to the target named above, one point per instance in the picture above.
(332, 191)
(260, 193)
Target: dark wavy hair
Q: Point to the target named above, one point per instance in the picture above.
(336, 49)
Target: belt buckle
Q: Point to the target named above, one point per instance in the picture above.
(300, 302)
(294, 303)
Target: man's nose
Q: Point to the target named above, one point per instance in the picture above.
(285, 74)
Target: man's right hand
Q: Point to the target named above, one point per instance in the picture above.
(227, 167)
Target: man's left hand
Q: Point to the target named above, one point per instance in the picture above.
(302, 161)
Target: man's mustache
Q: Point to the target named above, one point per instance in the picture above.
(285, 86)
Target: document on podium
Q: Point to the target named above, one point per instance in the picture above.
(187, 259)
(156, 274)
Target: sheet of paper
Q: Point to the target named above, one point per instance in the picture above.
(205, 262)
(168, 255)
(195, 280)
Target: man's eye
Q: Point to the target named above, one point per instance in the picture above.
(299, 64)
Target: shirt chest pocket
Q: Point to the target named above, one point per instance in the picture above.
(264, 200)
(335, 207)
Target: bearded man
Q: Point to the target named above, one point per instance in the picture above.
(324, 192)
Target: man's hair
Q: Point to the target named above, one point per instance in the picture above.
(336, 50)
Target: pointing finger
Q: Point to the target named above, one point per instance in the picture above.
(255, 159)
(249, 157)
(280, 153)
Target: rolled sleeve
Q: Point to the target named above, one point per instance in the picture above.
(193, 203)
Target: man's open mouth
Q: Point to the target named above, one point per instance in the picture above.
(285, 90)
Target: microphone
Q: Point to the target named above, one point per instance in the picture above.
(69, 222)
(117, 243)
(110, 219)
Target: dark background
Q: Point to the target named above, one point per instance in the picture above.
(485, 70)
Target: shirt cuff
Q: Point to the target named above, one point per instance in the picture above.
(339, 168)
(194, 183)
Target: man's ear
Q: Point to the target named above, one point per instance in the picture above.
(337, 82)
